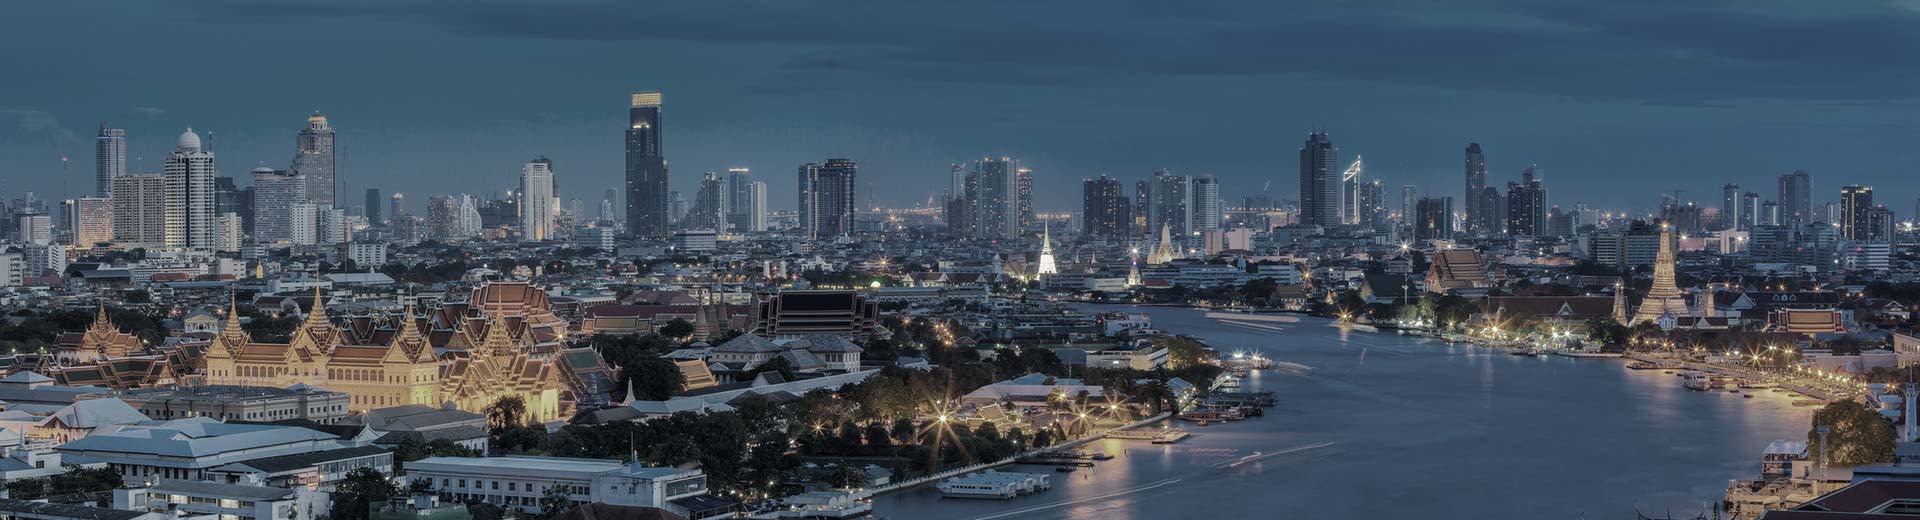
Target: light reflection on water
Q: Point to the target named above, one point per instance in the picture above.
(1386, 425)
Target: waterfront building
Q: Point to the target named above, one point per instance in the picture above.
(524, 482)
(314, 160)
(1319, 184)
(646, 167)
(1663, 299)
(1461, 272)
(537, 208)
(827, 200)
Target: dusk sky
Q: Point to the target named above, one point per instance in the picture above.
(1615, 101)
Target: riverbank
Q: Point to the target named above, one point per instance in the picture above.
(1057, 448)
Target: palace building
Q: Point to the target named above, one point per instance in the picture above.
(487, 356)
(105, 356)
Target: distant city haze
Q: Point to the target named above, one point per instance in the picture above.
(1613, 103)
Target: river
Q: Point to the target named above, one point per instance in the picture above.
(1378, 425)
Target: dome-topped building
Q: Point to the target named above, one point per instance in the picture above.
(189, 141)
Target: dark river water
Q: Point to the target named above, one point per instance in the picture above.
(1377, 425)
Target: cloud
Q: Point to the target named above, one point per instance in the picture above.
(150, 112)
(36, 122)
(1649, 50)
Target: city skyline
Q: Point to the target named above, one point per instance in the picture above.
(1704, 138)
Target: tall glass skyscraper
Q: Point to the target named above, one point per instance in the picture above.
(1319, 181)
(1478, 219)
(646, 168)
(109, 159)
(827, 200)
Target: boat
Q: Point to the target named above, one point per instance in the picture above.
(1063, 469)
(1528, 352)
(1588, 353)
(1101, 456)
(1171, 436)
(1696, 381)
(1806, 402)
(1748, 383)
(1749, 396)
(1654, 365)
(1001, 485)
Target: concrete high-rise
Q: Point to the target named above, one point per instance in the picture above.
(140, 210)
(314, 160)
(92, 220)
(1104, 207)
(1172, 206)
(827, 198)
(1749, 210)
(396, 206)
(1319, 181)
(275, 192)
(189, 210)
(1527, 205)
(1023, 177)
(751, 208)
(537, 209)
(1796, 198)
(1856, 212)
(1350, 182)
(1476, 174)
(993, 198)
(373, 206)
(109, 159)
(1208, 213)
(646, 168)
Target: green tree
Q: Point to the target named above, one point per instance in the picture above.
(506, 412)
(653, 378)
(1859, 436)
(354, 495)
(678, 328)
(554, 501)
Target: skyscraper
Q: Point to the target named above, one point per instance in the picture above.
(275, 192)
(1370, 204)
(189, 210)
(1172, 211)
(373, 206)
(646, 168)
(1350, 191)
(1476, 173)
(92, 220)
(1796, 198)
(1730, 215)
(140, 210)
(1749, 210)
(537, 208)
(1856, 212)
(754, 208)
(443, 218)
(1319, 183)
(739, 202)
(994, 198)
(1526, 205)
(109, 159)
(1433, 218)
(1208, 214)
(827, 198)
(709, 204)
(313, 159)
(396, 206)
(1104, 207)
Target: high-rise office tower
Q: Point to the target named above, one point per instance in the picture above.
(754, 210)
(1104, 207)
(1433, 218)
(109, 159)
(275, 192)
(1730, 215)
(226, 196)
(1796, 198)
(1856, 212)
(92, 220)
(443, 218)
(396, 206)
(536, 201)
(469, 217)
(1142, 206)
(1770, 214)
(1409, 198)
(1370, 204)
(313, 159)
(1208, 214)
(1476, 173)
(1493, 211)
(373, 206)
(1319, 182)
(957, 182)
(140, 210)
(1172, 210)
(189, 176)
(739, 202)
(35, 229)
(827, 198)
(709, 204)
(1527, 205)
(647, 214)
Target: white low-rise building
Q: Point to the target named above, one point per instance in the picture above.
(199, 499)
(522, 482)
